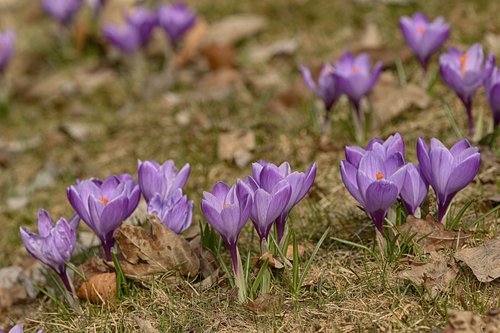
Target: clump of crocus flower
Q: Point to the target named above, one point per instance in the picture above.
(325, 88)
(175, 211)
(104, 205)
(447, 170)
(176, 20)
(300, 184)
(424, 37)
(17, 329)
(7, 39)
(62, 11)
(54, 243)
(492, 85)
(227, 210)
(465, 72)
(135, 33)
(356, 78)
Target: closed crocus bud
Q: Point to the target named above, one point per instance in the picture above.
(104, 205)
(176, 212)
(424, 37)
(176, 20)
(125, 37)
(325, 88)
(492, 85)
(375, 183)
(393, 145)
(63, 11)
(54, 243)
(465, 72)
(143, 21)
(6, 49)
(355, 76)
(447, 170)
(163, 179)
(300, 184)
(414, 189)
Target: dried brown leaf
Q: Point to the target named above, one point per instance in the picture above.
(157, 252)
(435, 276)
(432, 235)
(289, 251)
(484, 260)
(93, 266)
(192, 43)
(233, 29)
(99, 288)
(468, 322)
(235, 145)
(219, 56)
(208, 262)
(265, 303)
(271, 260)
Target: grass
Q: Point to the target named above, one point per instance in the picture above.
(351, 290)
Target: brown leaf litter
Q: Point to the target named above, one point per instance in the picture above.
(435, 276)
(468, 322)
(430, 235)
(484, 260)
(236, 145)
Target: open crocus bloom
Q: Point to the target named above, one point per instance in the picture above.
(465, 72)
(175, 211)
(447, 171)
(492, 85)
(162, 179)
(375, 183)
(422, 36)
(63, 11)
(143, 21)
(104, 205)
(300, 184)
(54, 243)
(176, 20)
(326, 88)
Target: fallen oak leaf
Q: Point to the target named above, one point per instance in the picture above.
(468, 322)
(99, 288)
(435, 275)
(484, 260)
(158, 252)
(431, 235)
(271, 260)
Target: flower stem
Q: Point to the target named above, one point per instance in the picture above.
(107, 245)
(65, 280)
(239, 276)
(470, 119)
(359, 126)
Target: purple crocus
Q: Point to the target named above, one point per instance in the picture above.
(124, 37)
(175, 211)
(176, 19)
(465, 72)
(163, 179)
(54, 243)
(143, 21)
(492, 85)
(271, 195)
(227, 210)
(104, 205)
(326, 88)
(375, 183)
(6, 49)
(300, 184)
(424, 37)
(447, 171)
(392, 148)
(414, 189)
(17, 329)
(63, 11)
(355, 77)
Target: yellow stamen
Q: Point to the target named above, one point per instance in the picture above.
(379, 175)
(104, 201)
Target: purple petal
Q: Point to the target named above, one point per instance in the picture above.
(45, 223)
(463, 173)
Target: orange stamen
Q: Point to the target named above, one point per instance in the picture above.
(226, 205)
(420, 30)
(104, 201)
(379, 175)
(463, 63)
(355, 69)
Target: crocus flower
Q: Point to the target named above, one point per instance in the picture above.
(6, 49)
(63, 11)
(176, 20)
(227, 210)
(104, 205)
(17, 329)
(54, 243)
(124, 37)
(300, 184)
(355, 77)
(414, 189)
(465, 72)
(271, 195)
(326, 88)
(424, 37)
(143, 21)
(492, 85)
(163, 179)
(393, 145)
(447, 171)
(375, 183)
(175, 211)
